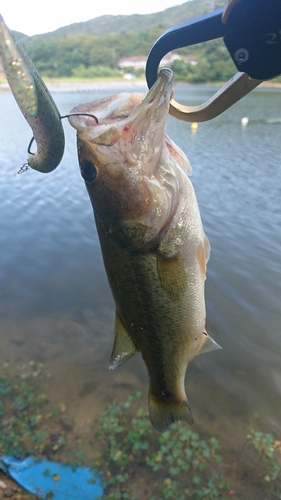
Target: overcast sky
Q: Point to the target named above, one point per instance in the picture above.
(32, 17)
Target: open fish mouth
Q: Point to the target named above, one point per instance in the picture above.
(125, 145)
(123, 108)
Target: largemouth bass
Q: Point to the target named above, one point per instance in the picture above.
(153, 244)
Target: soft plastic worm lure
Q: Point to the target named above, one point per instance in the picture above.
(35, 103)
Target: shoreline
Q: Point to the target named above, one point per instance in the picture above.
(88, 85)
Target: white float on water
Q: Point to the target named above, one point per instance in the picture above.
(244, 121)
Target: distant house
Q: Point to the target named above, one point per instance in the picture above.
(191, 60)
(139, 62)
(2, 74)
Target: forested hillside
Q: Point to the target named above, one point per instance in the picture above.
(93, 48)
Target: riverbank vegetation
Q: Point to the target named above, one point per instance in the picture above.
(88, 56)
(135, 461)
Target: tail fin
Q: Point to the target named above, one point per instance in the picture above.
(164, 413)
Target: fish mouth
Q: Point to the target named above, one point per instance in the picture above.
(157, 100)
(161, 89)
(122, 111)
(160, 93)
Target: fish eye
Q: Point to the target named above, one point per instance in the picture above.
(88, 171)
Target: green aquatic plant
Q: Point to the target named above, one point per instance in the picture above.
(136, 462)
(269, 450)
(176, 464)
(24, 428)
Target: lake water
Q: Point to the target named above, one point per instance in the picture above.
(55, 303)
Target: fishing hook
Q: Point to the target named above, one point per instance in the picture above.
(61, 117)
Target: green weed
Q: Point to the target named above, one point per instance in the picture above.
(269, 450)
(136, 462)
(24, 428)
(178, 463)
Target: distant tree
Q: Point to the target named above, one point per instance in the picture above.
(183, 70)
(95, 72)
(214, 64)
(100, 55)
(61, 56)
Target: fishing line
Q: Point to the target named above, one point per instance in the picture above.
(8, 182)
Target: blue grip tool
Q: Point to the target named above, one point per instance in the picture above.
(251, 30)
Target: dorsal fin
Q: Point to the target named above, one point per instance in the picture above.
(208, 344)
(123, 347)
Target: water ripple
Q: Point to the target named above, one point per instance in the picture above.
(51, 264)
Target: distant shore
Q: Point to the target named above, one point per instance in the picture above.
(70, 85)
(87, 85)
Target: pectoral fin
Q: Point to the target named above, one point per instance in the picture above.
(207, 248)
(208, 344)
(123, 348)
(203, 254)
(172, 275)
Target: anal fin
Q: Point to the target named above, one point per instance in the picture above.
(208, 344)
(123, 347)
